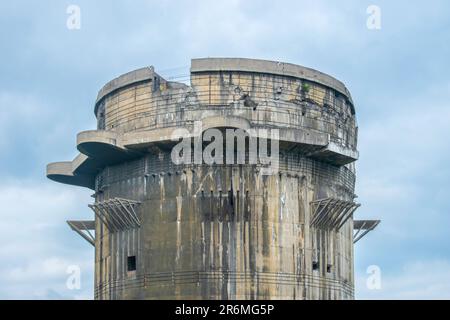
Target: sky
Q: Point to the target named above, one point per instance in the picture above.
(398, 76)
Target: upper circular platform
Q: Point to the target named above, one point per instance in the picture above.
(266, 93)
(140, 110)
(269, 67)
(229, 64)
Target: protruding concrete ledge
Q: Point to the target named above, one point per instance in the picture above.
(318, 144)
(63, 172)
(303, 137)
(80, 171)
(79, 160)
(336, 154)
(142, 139)
(268, 67)
(60, 168)
(228, 121)
(105, 136)
(102, 146)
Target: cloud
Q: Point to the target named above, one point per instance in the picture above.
(46, 279)
(14, 110)
(37, 246)
(403, 180)
(416, 280)
(403, 172)
(30, 128)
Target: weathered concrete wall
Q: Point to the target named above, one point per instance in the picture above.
(221, 231)
(225, 232)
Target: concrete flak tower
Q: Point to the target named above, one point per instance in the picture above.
(266, 225)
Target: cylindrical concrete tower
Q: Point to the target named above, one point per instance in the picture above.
(231, 230)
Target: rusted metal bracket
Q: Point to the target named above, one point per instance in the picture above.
(83, 227)
(363, 227)
(117, 214)
(331, 213)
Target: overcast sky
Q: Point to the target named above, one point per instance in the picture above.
(398, 76)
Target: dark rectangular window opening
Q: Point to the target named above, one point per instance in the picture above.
(315, 265)
(329, 268)
(131, 263)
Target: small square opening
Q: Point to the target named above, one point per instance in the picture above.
(131, 265)
(315, 265)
